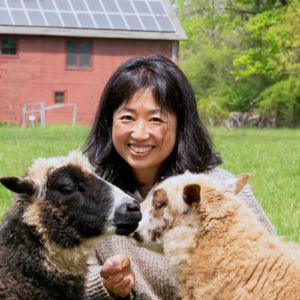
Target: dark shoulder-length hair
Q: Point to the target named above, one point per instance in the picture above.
(193, 150)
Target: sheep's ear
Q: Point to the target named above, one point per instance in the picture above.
(237, 183)
(191, 194)
(18, 185)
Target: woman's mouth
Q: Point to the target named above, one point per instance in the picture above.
(140, 151)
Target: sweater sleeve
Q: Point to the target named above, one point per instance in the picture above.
(94, 288)
(246, 194)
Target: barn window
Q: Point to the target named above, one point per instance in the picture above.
(9, 47)
(59, 97)
(78, 54)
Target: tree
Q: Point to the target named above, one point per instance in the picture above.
(236, 50)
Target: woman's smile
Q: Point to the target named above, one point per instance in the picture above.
(140, 150)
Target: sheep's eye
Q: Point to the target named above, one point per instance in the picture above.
(66, 189)
(159, 205)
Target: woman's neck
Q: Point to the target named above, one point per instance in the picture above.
(146, 178)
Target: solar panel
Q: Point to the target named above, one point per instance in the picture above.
(125, 6)
(149, 23)
(133, 23)
(101, 21)
(164, 23)
(5, 18)
(36, 18)
(157, 8)
(117, 22)
(78, 5)
(31, 4)
(14, 3)
(63, 4)
(141, 7)
(142, 15)
(19, 17)
(47, 4)
(110, 6)
(94, 5)
(69, 19)
(53, 19)
(85, 20)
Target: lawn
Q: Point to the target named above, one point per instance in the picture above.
(272, 157)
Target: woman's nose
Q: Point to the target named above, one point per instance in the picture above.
(140, 131)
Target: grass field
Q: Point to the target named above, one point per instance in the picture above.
(272, 157)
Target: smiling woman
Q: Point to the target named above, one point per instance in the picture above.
(146, 129)
(144, 135)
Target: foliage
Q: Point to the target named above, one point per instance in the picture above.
(237, 50)
(276, 51)
(282, 101)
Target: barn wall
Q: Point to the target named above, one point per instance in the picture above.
(40, 69)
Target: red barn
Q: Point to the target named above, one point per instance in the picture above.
(64, 51)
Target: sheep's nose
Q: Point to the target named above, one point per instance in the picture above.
(133, 206)
(128, 212)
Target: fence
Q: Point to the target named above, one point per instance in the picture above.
(42, 111)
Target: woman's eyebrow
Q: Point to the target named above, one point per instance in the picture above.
(152, 111)
(127, 109)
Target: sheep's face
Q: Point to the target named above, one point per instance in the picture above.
(178, 206)
(64, 198)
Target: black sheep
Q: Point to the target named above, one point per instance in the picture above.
(60, 211)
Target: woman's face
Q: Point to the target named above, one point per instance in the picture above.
(142, 133)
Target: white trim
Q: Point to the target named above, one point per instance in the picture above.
(92, 33)
(106, 14)
(74, 12)
(58, 12)
(9, 12)
(25, 11)
(122, 15)
(136, 14)
(153, 16)
(42, 12)
(174, 51)
(91, 15)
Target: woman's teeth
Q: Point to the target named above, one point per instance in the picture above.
(140, 149)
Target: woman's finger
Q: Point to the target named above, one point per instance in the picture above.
(123, 285)
(126, 291)
(112, 281)
(110, 268)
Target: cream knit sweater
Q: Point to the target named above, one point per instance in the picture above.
(152, 271)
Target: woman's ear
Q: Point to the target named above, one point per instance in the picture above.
(18, 185)
(191, 194)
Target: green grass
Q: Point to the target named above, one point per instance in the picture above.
(272, 157)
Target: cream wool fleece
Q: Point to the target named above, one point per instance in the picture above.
(152, 270)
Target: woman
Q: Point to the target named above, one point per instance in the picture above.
(146, 129)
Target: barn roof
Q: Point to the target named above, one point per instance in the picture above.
(135, 19)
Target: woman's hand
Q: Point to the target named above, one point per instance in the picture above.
(118, 277)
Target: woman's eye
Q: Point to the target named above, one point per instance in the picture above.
(127, 118)
(156, 120)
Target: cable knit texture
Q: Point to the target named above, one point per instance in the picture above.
(152, 270)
